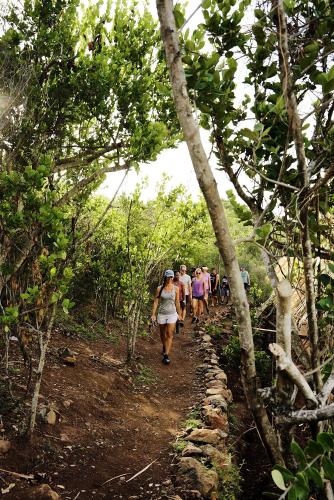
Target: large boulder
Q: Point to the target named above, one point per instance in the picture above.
(195, 476)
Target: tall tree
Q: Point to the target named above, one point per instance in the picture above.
(225, 244)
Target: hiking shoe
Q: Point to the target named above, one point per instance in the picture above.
(166, 359)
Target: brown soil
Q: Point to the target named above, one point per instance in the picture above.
(111, 421)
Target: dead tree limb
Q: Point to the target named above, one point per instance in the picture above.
(285, 364)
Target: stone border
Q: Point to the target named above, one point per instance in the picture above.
(207, 443)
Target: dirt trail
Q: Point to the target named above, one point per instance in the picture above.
(110, 422)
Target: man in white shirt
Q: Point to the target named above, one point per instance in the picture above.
(186, 280)
(245, 278)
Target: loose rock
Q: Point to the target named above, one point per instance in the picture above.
(42, 492)
(206, 338)
(216, 400)
(216, 384)
(226, 393)
(4, 445)
(51, 417)
(211, 436)
(191, 450)
(216, 418)
(222, 376)
(195, 476)
(221, 459)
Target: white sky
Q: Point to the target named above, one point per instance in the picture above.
(176, 162)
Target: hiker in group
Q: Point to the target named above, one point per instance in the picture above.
(225, 290)
(186, 280)
(214, 278)
(166, 303)
(182, 299)
(245, 278)
(207, 284)
(198, 292)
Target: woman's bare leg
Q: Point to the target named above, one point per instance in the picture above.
(170, 328)
(162, 329)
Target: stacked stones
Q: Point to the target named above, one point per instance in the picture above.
(206, 454)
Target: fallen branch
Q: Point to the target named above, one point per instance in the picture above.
(115, 477)
(17, 474)
(141, 471)
(284, 363)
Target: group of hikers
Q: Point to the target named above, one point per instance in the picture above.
(181, 292)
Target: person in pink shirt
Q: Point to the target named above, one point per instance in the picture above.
(207, 285)
(198, 291)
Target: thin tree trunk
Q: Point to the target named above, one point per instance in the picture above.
(43, 349)
(209, 189)
(296, 131)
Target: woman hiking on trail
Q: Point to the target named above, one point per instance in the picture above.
(182, 299)
(198, 292)
(207, 284)
(167, 303)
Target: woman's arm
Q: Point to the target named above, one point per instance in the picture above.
(155, 304)
(177, 301)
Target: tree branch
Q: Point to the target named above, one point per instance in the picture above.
(287, 365)
(86, 181)
(297, 417)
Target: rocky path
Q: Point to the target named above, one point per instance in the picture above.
(111, 422)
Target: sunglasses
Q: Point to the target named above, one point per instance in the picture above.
(198, 273)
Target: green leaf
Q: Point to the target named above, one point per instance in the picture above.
(289, 4)
(250, 134)
(53, 272)
(313, 449)
(287, 475)
(328, 468)
(326, 441)
(315, 476)
(179, 18)
(259, 33)
(328, 86)
(278, 479)
(298, 452)
(54, 298)
(206, 4)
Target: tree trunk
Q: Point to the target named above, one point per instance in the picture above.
(225, 244)
(296, 131)
(43, 349)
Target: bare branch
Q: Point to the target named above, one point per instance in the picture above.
(284, 363)
(297, 417)
(86, 181)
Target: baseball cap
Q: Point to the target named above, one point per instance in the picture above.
(169, 273)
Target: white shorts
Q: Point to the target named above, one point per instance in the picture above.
(163, 319)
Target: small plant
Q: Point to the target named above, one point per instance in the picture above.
(314, 466)
(195, 413)
(213, 330)
(229, 482)
(232, 354)
(145, 375)
(180, 445)
(192, 423)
